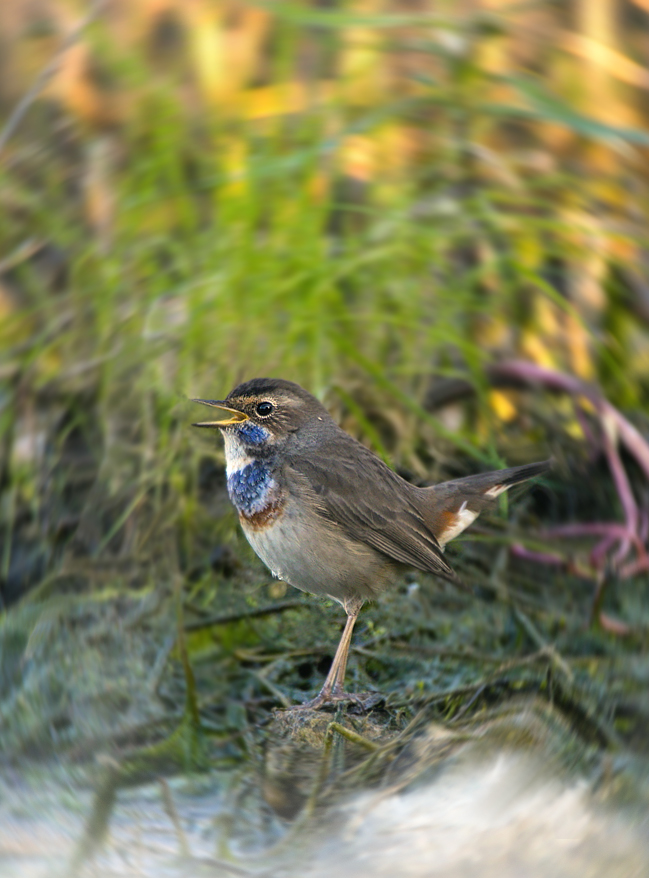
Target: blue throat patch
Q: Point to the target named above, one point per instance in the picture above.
(250, 488)
(252, 434)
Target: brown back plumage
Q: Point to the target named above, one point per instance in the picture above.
(354, 489)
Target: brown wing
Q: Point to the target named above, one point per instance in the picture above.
(356, 490)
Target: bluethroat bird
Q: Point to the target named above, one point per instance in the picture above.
(325, 514)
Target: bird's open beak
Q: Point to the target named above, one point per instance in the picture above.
(231, 416)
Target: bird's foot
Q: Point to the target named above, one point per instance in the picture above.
(360, 700)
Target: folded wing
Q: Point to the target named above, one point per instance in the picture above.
(355, 490)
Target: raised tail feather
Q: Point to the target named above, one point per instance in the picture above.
(450, 507)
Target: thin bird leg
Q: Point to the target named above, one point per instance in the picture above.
(333, 689)
(336, 675)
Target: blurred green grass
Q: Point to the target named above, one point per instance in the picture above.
(403, 223)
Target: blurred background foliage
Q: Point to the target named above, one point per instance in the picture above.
(387, 202)
(367, 197)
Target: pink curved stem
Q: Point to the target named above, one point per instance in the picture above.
(616, 429)
(598, 554)
(590, 529)
(643, 530)
(618, 472)
(614, 626)
(533, 374)
(633, 568)
(539, 557)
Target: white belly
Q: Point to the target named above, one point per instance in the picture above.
(315, 556)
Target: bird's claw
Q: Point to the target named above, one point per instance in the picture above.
(362, 700)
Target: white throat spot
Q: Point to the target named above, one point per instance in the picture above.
(236, 456)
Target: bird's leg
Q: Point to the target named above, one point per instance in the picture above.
(335, 681)
(334, 689)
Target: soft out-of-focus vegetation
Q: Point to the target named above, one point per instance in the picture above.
(361, 197)
(374, 199)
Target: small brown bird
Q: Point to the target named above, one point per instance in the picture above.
(328, 516)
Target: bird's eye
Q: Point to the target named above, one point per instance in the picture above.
(264, 409)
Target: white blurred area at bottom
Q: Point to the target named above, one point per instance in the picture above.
(499, 819)
(493, 814)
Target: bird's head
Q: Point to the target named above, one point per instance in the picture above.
(264, 413)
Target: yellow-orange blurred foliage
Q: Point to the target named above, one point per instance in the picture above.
(223, 68)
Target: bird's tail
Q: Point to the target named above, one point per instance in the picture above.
(450, 507)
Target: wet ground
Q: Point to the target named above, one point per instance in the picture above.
(512, 737)
(458, 808)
